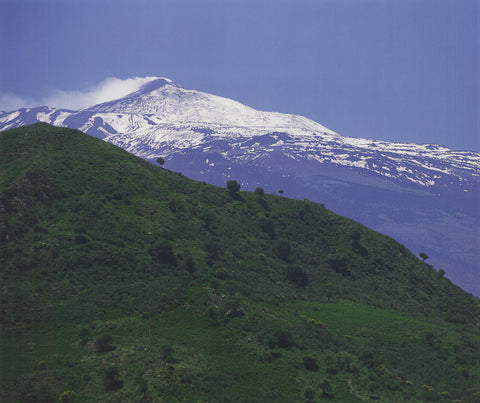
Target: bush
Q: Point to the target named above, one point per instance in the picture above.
(268, 226)
(167, 353)
(212, 248)
(190, 264)
(162, 252)
(103, 343)
(297, 276)
(327, 389)
(69, 396)
(110, 379)
(84, 336)
(142, 387)
(339, 263)
(259, 192)
(424, 256)
(221, 273)
(440, 274)
(283, 250)
(282, 339)
(233, 309)
(332, 363)
(348, 362)
(310, 363)
(355, 235)
(233, 187)
(308, 394)
(214, 284)
(213, 316)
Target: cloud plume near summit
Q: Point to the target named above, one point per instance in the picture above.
(107, 90)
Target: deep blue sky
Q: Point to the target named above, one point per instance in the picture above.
(406, 70)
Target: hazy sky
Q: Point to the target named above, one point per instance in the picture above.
(403, 70)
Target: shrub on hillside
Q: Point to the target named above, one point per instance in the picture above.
(282, 339)
(297, 276)
(327, 389)
(259, 192)
(310, 363)
(162, 252)
(111, 380)
(221, 273)
(190, 264)
(212, 248)
(309, 394)
(167, 353)
(283, 249)
(69, 396)
(103, 343)
(339, 263)
(233, 187)
(233, 309)
(268, 226)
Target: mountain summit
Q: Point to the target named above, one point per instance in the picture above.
(163, 101)
(426, 196)
(155, 84)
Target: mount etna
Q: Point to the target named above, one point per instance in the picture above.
(423, 195)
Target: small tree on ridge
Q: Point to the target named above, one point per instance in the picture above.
(423, 255)
(233, 187)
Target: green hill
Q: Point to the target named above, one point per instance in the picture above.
(123, 281)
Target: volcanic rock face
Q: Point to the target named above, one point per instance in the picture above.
(425, 196)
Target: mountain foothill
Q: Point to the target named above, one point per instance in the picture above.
(124, 280)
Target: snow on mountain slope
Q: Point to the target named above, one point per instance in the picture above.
(169, 103)
(161, 118)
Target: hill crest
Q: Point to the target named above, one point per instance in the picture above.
(125, 281)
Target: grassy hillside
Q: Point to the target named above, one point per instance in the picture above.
(123, 281)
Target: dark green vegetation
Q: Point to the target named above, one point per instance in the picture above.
(123, 281)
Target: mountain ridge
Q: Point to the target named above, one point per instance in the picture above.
(171, 105)
(214, 139)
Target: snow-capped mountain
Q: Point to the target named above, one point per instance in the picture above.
(161, 119)
(426, 196)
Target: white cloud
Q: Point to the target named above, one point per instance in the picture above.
(10, 102)
(109, 89)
